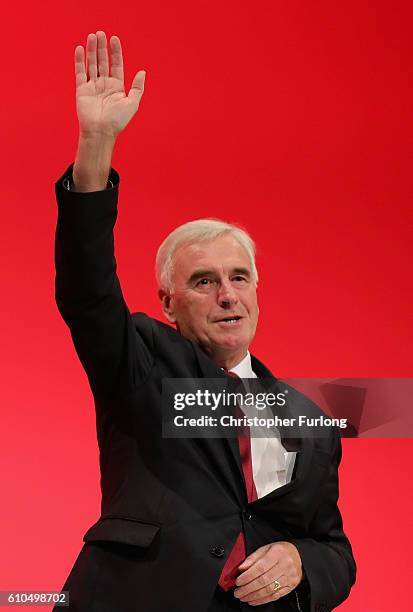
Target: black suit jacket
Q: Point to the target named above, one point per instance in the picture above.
(171, 509)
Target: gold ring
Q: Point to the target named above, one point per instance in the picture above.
(277, 585)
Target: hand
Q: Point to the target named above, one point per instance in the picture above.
(102, 106)
(278, 561)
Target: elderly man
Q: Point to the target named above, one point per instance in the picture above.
(188, 524)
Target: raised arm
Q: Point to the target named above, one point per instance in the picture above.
(103, 108)
(88, 292)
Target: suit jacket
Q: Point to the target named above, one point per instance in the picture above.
(171, 508)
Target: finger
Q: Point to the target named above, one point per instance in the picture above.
(80, 68)
(136, 91)
(116, 70)
(253, 557)
(91, 57)
(259, 566)
(103, 58)
(263, 584)
(271, 597)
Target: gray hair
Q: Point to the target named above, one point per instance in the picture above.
(198, 231)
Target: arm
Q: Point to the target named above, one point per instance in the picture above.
(327, 556)
(103, 108)
(88, 293)
(321, 568)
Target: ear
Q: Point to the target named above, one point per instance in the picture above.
(167, 304)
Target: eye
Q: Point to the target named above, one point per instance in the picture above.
(239, 278)
(205, 284)
(203, 281)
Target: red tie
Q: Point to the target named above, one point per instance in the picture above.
(238, 552)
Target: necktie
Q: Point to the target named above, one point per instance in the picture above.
(238, 552)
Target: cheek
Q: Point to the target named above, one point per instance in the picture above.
(252, 305)
(195, 313)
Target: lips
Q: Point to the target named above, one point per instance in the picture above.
(231, 319)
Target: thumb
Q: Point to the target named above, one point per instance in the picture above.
(136, 91)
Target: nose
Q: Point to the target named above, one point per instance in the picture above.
(227, 296)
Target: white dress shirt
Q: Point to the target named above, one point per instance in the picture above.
(272, 465)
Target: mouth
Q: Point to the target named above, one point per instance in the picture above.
(230, 320)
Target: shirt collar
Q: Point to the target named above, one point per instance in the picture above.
(244, 369)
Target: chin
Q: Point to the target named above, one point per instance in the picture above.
(232, 344)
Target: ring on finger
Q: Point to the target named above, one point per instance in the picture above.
(276, 586)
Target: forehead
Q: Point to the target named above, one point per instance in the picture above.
(219, 254)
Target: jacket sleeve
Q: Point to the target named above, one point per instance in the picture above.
(88, 293)
(326, 556)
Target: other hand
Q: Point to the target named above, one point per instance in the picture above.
(279, 561)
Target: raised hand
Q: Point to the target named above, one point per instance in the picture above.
(103, 108)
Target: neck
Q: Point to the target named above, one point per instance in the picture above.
(223, 358)
(228, 361)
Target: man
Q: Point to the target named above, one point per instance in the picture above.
(187, 524)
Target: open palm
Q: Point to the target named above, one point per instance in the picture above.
(101, 102)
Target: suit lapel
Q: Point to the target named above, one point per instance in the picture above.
(211, 370)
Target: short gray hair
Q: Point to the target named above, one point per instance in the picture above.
(200, 230)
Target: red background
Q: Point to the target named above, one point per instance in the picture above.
(292, 119)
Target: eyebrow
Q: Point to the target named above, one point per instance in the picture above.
(197, 274)
(243, 271)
